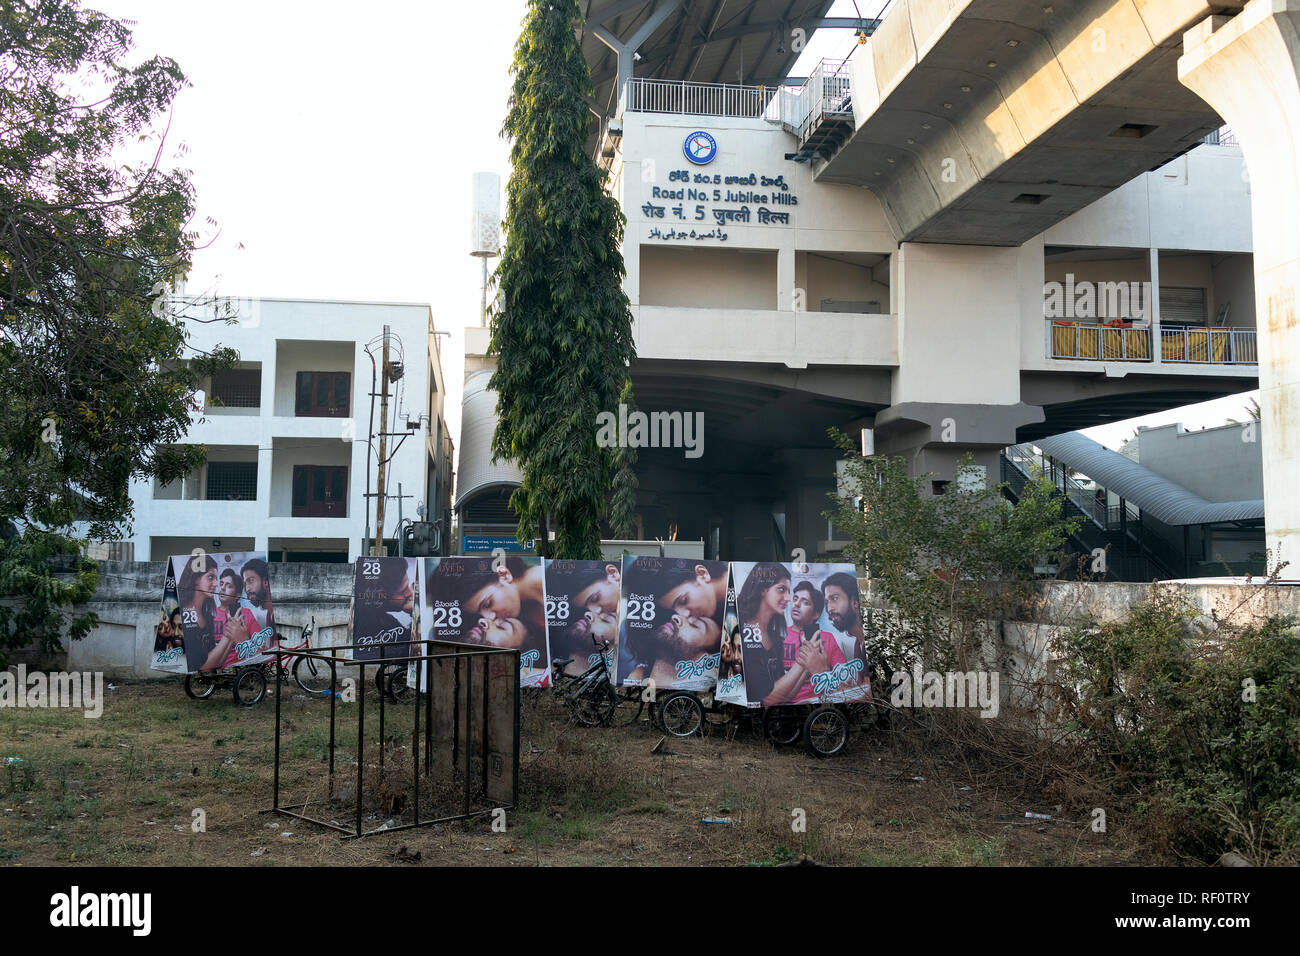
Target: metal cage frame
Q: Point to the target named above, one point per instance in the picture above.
(462, 750)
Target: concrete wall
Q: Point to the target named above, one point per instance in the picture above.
(1023, 650)
(1107, 601)
(689, 283)
(827, 278)
(966, 297)
(128, 602)
(1174, 269)
(988, 299)
(1216, 463)
(129, 594)
(1234, 286)
(1199, 201)
(708, 278)
(1225, 279)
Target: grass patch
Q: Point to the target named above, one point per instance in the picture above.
(121, 791)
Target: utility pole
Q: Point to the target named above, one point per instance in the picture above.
(383, 449)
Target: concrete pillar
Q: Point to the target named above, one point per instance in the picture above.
(807, 482)
(786, 281)
(957, 386)
(1246, 68)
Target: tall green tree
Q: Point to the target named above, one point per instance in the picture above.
(561, 327)
(622, 503)
(95, 373)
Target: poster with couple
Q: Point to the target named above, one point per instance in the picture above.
(794, 636)
(468, 600)
(670, 622)
(583, 599)
(383, 608)
(222, 615)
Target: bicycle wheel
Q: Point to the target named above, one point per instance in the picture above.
(200, 686)
(312, 674)
(782, 725)
(826, 731)
(250, 686)
(594, 706)
(628, 708)
(681, 714)
(400, 691)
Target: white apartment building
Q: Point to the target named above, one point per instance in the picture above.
(286, 435)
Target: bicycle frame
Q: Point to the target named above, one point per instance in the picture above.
(584, 681)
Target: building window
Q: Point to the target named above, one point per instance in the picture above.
(232, 481)
(320, 491)
(323, 395)
(237, 388)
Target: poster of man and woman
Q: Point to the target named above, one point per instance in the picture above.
(794, 636)
(488, 602)
(758, 634)
(217, 612)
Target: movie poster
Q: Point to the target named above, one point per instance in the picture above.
(800, 630)
(383, 608)
(169, 633)
(582, 610)
(731, 671)
(226, 612)
(670, 629)
(469, 601)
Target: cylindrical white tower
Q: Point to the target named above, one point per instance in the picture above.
(485, 240)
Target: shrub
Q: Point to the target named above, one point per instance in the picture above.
(1198, 722)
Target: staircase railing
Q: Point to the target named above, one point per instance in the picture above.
(1106, 527)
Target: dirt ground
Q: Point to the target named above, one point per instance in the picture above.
(123, 790)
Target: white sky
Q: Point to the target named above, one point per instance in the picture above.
(336, 143)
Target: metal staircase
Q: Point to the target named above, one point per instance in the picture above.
(819, 113)
(1131, 554)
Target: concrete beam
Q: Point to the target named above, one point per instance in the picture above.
(987, 121)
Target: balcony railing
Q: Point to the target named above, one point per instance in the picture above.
(1068, 340)
(823, 94)
(1223, 136)
(1223, 346)
(1226, 346)
(645, 95)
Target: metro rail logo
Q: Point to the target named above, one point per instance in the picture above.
(700, 148)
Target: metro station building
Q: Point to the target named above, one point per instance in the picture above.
(995, 222)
